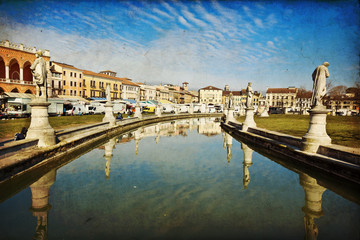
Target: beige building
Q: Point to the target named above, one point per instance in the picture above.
(147, 92)
(284, 98)
(71, 79)
(129, 89)
(211, 95)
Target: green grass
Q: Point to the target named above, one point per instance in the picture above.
(342, 130)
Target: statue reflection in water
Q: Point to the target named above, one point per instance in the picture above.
(40, 203)
(246, 164)
(312, 208)
(227, 138)
(109, 146)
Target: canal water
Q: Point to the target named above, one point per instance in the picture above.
(177, 180)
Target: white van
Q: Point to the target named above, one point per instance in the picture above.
(169, 108)
(199, 108)
(119, 107)
(96, 108)
(78, 109)
(184, 109)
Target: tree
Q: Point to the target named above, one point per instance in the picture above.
(337, 91)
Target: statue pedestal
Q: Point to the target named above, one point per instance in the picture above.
(39, 126)
(109, 116)
(316, 133)
(264, 113)
(230, 116)
(158, 110)
(138, 112)
(249, 119)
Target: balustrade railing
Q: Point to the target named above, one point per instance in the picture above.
(17, 81)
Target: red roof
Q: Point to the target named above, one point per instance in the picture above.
(126, 81)
(210, 88)
(235, 93)
(281, 90)
(66, 65)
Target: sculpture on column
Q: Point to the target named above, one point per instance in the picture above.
(319, 87)
(249, 93)
(38, 69)
(231, 101)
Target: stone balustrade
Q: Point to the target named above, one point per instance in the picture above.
(22, 47)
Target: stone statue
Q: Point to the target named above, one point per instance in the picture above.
(319, 88)
(108, 93)
(231, 101)
(38, 69)
(249, 93)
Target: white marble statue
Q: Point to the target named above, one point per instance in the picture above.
(319, 88)
(38, 69)
(249, 93)
(231, 101)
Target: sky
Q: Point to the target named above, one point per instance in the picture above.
(269, 43)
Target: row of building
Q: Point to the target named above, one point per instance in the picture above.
(66, 80)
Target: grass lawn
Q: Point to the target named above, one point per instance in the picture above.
(342, 130)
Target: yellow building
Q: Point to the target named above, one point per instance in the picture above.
(94, 85)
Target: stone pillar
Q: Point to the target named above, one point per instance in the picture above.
(246, 164)
(40, 203)
(230, 116)
(191, 108)
(7, 72)
(39, 126)
(22, 75)
(249, 119)
(312, 208)
(109, 146)
(264, 113)
(109, 116)
(158, 110)
(138, 111)
(316, 133)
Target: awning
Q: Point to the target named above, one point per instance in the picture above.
(19, 95)
(166, 102)
(73, 98)
(97, 98)
(130, 101)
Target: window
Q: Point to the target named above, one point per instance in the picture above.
(70, 83)
(74, 84)
(64, 92)
(64, 82)
(64, 73)
(80, 93)
(70, 74)
(80, 75)
(79, 84)
(74, 74)
(70, 92)
(75, 93)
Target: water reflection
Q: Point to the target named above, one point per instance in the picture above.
(40, 203)
(246, 164)
(109, 147)
(241, 155)
(312, 208)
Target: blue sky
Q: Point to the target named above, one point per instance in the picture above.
(268, 43)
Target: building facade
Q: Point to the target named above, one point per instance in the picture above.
(15, 62)
(210, 95)
(94, 85)
(284, 98)
(71, 79)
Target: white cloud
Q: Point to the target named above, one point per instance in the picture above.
(183, 21)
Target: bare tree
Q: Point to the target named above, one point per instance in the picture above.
(337, 91)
